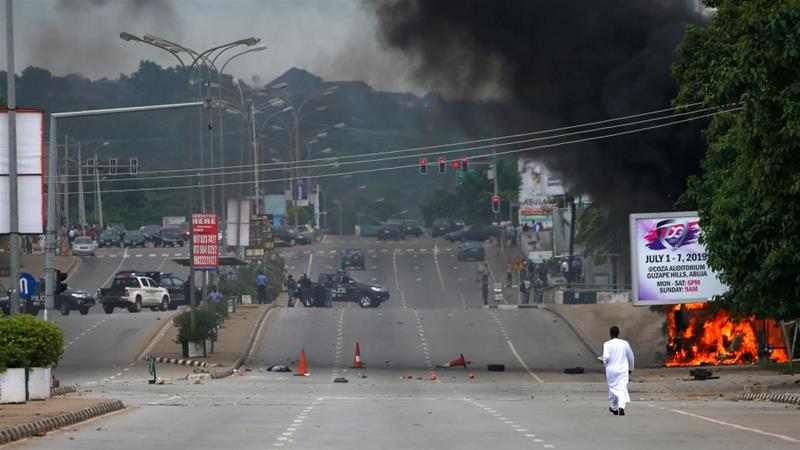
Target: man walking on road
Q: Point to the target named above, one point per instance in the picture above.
(509, 273)
(291, 288)
(261, 285)
(618, 359)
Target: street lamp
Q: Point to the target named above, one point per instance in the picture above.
(98, 204)
(341, 201)
(361, 211)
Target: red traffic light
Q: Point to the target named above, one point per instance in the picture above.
(455, 164)
(495, 204)
(465, 164)
(442, 165)
(423, 166)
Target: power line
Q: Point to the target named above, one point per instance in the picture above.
(334, 162)
(463, 143)
(405, 166)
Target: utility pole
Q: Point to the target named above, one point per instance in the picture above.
(13, 213)
(256, 192)
(98, 194)
(572, 223)
(81, 200)
(296, 170)
(65, 177)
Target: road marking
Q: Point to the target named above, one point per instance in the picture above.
(436, 263)
(151, 255)
(514, 351)
(310, 262)
(738, 427)
(463, 300)
(114, 272)
(138, 255)
(325, 239)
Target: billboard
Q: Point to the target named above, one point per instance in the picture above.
(668, 263)
(301, 193)
(242, 223)
(30, 165)
(205, 241)
(538, 187)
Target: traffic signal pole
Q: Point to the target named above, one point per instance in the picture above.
(13, 212)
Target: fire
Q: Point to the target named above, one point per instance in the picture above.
(698, 336)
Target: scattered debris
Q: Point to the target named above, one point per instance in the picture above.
(341, 380)
(702, 374)
(471, 376)
(278, 368)
(496, 367)
(574, 370)
(361, 375)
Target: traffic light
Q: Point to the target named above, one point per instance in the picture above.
(496, 204)
(61, 285)
(442, 165)
(465, 164)
(423, 166)
(455, 164)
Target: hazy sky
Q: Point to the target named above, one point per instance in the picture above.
(332, 38)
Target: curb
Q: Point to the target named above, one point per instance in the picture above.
(575, 330)
(246, 350)
(62, 390)
(41, 427)
(522, 306)
(180, 361)
(789, 399)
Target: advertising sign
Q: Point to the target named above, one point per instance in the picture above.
(205, 241)
(240, 224)
(538, 187)
(668, 263)
(30, 184)
(301, 191)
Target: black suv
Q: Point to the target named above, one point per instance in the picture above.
(442, 226)
(411, 228)
(109, 238)
(344, 287)
(169, 236)
(150, 232)
(390, 231)
(353, 257)
(288, 236)
(134, 238)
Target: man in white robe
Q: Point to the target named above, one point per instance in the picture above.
(618, 359)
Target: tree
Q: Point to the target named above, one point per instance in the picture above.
(748, 192)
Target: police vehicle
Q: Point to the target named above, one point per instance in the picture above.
(345, 287)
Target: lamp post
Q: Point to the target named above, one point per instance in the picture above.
(340, 201)
(175, 50)
(360, 211)
(98, 197)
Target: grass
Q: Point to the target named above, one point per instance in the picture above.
(782, 368)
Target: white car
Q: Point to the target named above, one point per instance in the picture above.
(133, 292)
(306, 230)
(83, 245)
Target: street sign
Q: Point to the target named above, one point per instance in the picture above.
(27, 285)
(253, 252)
(205, 241)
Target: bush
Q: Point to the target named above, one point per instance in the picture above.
(26, 341)
(206, 321)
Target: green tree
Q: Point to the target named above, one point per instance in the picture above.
(748, 192)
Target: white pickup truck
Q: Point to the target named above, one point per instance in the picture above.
(133, 292)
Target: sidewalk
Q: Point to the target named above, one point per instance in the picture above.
(35, 418)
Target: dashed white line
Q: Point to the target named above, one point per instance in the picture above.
(738, 427)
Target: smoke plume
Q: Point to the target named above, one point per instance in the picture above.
(555, 63)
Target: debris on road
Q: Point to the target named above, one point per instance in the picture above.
(340, 380)
(574, 370)
(701, 375)
(496, 367)
(278, 368)
(458, 362)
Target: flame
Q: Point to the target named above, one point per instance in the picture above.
(701, 337)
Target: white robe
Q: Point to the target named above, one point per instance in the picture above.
(618, 359)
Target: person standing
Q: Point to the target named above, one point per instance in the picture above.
(305, 290)
(485, 290)
(618, 359)
(509, 272)
(261, 286)
(291, 288)
(215, 296)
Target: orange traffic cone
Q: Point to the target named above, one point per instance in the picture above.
(302, 371)
(357, 359)
(458, 362)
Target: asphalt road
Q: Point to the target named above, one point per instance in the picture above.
(434, 315)
(100, 348)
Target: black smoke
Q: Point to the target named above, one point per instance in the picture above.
(563, 62)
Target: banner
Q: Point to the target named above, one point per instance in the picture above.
(239, 224)
(30, 165)
(668, 263)
(538, 187)
(205, 241)
(301, 193)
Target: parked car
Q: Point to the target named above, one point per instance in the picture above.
(109, 238)
(73, 300)
(390, 231)
(284, 236)
(344, 287)
(150, 231)
(473, 233)
(83, 246)
(441, 227)
(353, 257)
(411, 228)
(307, 231)
(459, 224)
(134, 238)
(30, 306)
(471, 251)
(169, 237)
(119, 228)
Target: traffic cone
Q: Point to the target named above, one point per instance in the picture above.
(302, 371)
(458, 362)
(357, 359)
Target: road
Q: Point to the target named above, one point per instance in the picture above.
(434, 315)
(100, 348)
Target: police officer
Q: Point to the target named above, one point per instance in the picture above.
(291, 289)
(305, 290)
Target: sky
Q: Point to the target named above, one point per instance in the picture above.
(335, 39)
